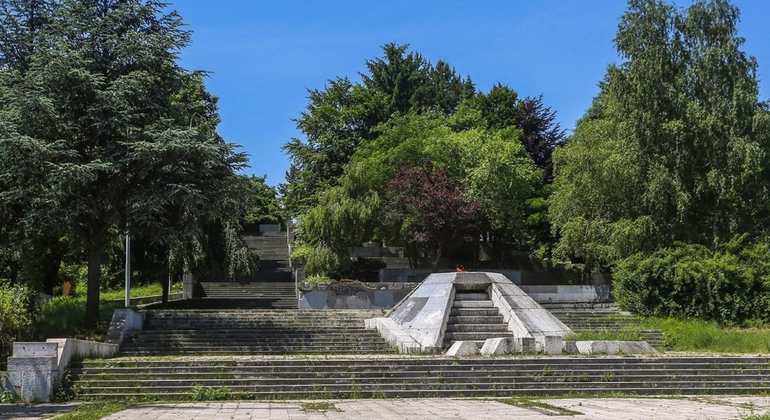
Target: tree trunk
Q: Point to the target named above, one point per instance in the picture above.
(92, 297)
(434, 263)
(165, 283)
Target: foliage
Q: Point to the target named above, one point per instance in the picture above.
(675, 147)
(604, 335)
(729, 285)
(153, 289)
(264, 207)
(99, 134)
(15, 319)
(319, 279)
(208, 393)
(429, 210)
(342, 116)
(707, 336)
(7, 397)
(64, 316)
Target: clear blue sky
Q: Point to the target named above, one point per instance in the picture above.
(264, 55)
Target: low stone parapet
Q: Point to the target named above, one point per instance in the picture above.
(352, 295)
(36, 369)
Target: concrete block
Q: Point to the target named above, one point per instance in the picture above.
(24, 349)
(463, 348)
(32, 377)
(614, 347)
(524, 345)
(552, 344)
(496, 346)
(570, 347)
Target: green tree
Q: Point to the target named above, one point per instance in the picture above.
(682, 114)
(263, 203)
(91, 136)
(343, 116)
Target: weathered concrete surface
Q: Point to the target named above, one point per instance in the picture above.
(394, 334)
(35, 369)
(524, 316)
(702, 408)
(423, 313)
(524, 345)
(552, 345)
(614, 347)
(498, 346)
(463, 348)
(123, 321)
(352, 295)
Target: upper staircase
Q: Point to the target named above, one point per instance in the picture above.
(474, 317)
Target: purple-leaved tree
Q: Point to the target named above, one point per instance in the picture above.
(429, 211)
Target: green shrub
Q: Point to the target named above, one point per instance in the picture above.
(207, 393)
(64, 316)
(318, 279)
(730, 285)
(15, 319)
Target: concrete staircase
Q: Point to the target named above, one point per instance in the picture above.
(474, 317)
(412, 377)
(603, 317)
(255, 332)
(271, 287)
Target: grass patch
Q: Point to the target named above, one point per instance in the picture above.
(541, 407)
(93, 411)
(604, 335)
(64, 316)
(318, 406)
(695, 335)
(154, 289)
(765, 416)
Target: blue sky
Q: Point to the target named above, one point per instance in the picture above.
(264, 55)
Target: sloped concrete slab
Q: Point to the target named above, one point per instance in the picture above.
(497, 346)
(463, 348)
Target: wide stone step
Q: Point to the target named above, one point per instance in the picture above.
(474, 312)
(467, 388)
(471, 296)
(453, 319)
(473, 304)
(474, 336)
(476, 327)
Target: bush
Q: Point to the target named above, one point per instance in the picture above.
(730, 285)
(15, 318)
(64, 316)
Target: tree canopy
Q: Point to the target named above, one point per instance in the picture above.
(102, 132)
(676, 146)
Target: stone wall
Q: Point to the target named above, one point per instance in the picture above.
(352, 295)
(569, 293)
(385, 295)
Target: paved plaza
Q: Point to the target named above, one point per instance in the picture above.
(595, 409)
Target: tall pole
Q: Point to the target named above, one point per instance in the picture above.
(128, 271)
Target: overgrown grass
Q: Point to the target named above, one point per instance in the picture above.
(64, 316)
(604, 335)
(154, 289)
(695, 335)
(765, 416)
(93, 411)
(318, 279)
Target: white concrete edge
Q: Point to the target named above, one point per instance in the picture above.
(124, 320)
(396, 336)
(440, 339)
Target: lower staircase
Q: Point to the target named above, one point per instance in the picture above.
(413, 377)
(604, 317)
(262, 332)
(474, 317)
